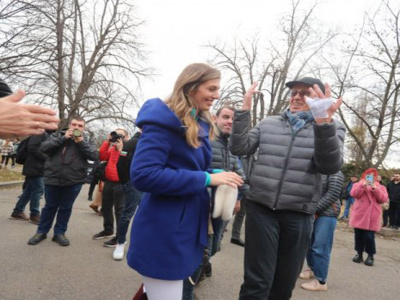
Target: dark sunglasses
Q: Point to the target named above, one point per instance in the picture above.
(302, 94)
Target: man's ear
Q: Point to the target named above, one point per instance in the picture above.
(214, 117)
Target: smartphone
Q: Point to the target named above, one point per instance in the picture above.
(369, 178)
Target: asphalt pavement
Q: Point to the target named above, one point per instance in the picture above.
(85, 269)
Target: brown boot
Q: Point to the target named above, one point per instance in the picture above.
(94, 207)
(35, 219)
(19, 216)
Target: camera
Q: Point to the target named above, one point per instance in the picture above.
(77, 133)
(370, 179)
(115, 136)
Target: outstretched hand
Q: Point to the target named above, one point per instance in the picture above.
(19, 119)
(315, 92)
(248, 97)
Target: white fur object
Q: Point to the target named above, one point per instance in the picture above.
(224, 202)
(319, 107)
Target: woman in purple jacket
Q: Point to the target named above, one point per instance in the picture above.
(171, 165)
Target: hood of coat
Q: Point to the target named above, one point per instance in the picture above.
(155, 111)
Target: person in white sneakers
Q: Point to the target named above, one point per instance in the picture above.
(132, 195)
(319, 254)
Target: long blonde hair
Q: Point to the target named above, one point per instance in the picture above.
(182, 105)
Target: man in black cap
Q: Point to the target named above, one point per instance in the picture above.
(294, 148)
(18, 119)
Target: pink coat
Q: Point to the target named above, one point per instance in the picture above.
(367, 211)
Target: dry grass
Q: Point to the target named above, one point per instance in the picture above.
(10, 175)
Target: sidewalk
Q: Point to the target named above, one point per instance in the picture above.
(86, 271)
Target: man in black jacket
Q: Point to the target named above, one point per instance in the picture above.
(393, 189)
(64, 174)
(33, 188)
(132, 195)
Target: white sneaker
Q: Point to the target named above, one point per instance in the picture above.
(307, 274)
(119, 252)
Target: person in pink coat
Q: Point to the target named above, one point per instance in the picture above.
(366, 215)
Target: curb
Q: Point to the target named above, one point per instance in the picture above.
(385, 232)
(11, 184)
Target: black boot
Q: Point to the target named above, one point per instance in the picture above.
(358, 258)
(369, 261)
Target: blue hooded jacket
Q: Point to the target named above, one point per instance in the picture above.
(169, 231)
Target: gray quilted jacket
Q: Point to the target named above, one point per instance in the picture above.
(223, 159)
(329, 204)
(287, 173)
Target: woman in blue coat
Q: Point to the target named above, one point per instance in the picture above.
(171, 165)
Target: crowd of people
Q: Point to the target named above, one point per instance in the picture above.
(186, 173)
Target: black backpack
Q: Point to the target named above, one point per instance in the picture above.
(22, 151)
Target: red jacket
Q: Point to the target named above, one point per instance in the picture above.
(111, 154)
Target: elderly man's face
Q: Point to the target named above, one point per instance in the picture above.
(297, 98)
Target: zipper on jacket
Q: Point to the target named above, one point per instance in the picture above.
(284, 168)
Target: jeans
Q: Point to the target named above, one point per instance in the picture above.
(276, 246)
(239, 218)
(319, 254)
(32, 192)
(112, 197)
(132, 200)
(218, 227)
(349, 202)
(364, 241)
(59, 200)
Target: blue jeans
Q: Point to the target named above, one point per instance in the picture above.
(349, 202)
(32, 192)
(59, 200)
(132, 200)
(319, 254)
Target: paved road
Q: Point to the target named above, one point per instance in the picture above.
(86, 270)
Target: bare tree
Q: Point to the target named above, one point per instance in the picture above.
(81, 57)
(372, 69)
(288, 56)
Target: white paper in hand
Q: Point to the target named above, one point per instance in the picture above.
(319, 107)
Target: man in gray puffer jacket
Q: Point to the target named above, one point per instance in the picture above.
(294, 149)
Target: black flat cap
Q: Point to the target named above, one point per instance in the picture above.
(308, 81)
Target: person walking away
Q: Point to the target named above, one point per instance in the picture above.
(33, 169)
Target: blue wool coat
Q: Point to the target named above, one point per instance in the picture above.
(169, 231)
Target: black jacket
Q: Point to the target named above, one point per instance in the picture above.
(125, 158)
(393, 191)
(35, 159)
(67, 161)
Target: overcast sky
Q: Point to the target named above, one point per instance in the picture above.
(175, 30)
